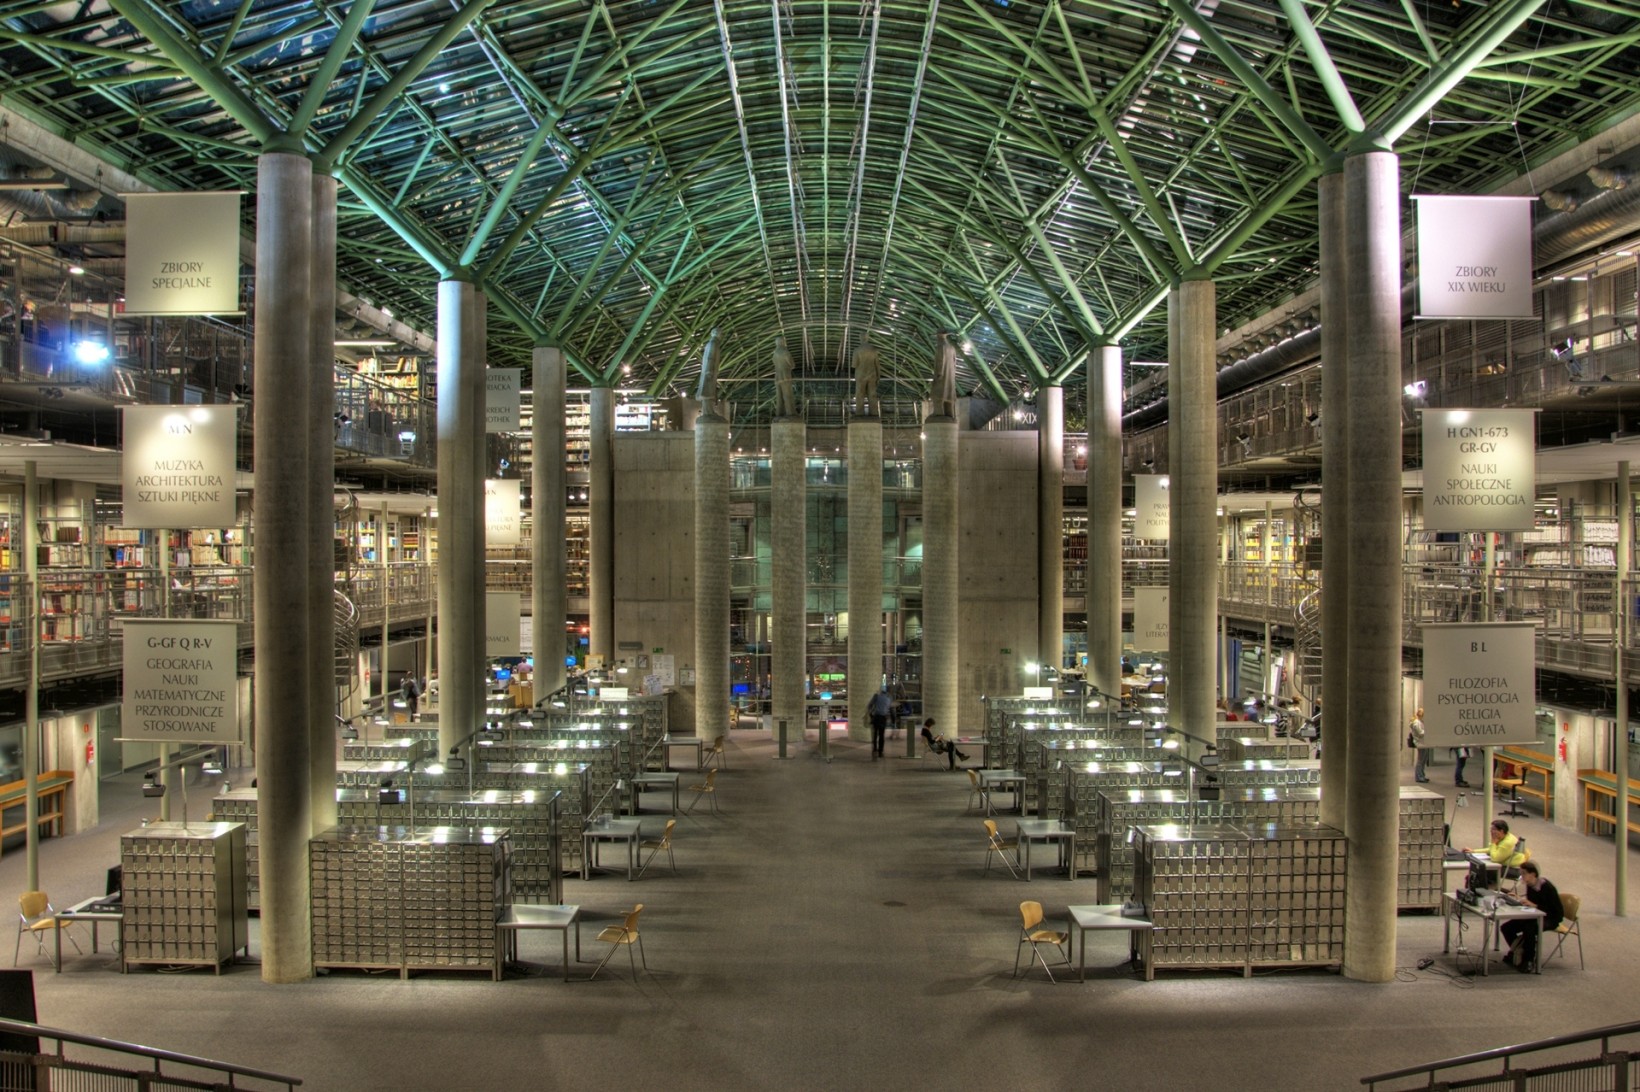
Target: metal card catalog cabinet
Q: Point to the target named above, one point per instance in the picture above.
(184, 893)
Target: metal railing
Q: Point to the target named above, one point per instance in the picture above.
(1609, 1068)
(133, 1067)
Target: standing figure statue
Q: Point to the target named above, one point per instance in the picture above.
(785, 391)
(942, 393)
(706, 392)
(867, 370)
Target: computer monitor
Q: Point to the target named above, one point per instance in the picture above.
(116, 880)
(1480, 877)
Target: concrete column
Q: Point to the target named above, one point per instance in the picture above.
(475, 343)
(283, 353)
(1104, 596)
(547, 603)
(601, 533)
(1372, 240)
(321, 487)
(941, 535)
(1335, 507)
(711, 575)
(1193, 472)
(865, 570)
(789, 580)
(1050, 528)
(460, 511)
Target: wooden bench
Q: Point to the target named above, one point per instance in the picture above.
(1600, 800)
(1529, 762)
(53, 798)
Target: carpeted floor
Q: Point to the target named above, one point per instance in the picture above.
(832, 928)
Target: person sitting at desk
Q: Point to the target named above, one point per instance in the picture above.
(1522, 935)
(1501, 849)
(940, 745)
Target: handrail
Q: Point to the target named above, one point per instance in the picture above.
(24, 1027)
(1602, 1034)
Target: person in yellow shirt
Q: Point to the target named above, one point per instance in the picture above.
(1501, 849)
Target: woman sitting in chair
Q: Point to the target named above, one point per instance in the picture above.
(941, 746)
(1502, 848)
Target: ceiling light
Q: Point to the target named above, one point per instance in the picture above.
(1415, 389)
(366, 343)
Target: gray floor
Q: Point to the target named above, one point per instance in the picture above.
(832, 929)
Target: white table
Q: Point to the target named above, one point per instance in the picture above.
(654, 780)
(81, 911)
(609, 830)
(526, 916)
(1104, 916)
(1048, 830)
(1493, 913)
(685, 741)
(1004, 780)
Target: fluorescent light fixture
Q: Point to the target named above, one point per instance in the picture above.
(366, 342)
(24, 184)
(90, 352)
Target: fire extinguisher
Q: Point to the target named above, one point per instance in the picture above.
(90, 752)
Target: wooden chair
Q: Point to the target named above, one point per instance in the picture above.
(705, 788)
(656, 845)
(975, 789)
(1031, 932)
(1571, 906)
(624, 934)
(714, 753)
(37, 918)
(1002, 847)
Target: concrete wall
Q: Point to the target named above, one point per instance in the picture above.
(996, 567)
(654, 544)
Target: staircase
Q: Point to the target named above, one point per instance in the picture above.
(1605, 1066)
(1307, 643)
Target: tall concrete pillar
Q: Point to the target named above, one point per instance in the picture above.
(940, 606)
(711, 576)
(321, 477)
(283, 348)
(476, 344)
(1372, 240)
(1104, 595)
(1335, 506)
(460, 510)
(1050, 528)
(865, 570)
(547, 602)
(601, 532)
(789, 580)
(1193, 472)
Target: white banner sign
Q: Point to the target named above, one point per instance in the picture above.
(182, 253)
(666, 666)
(502, 507)
(1150, 512)
(1474, 257)
(1480, 469)
(178, 467)
(1150, 625)
(502, 399)
(180, 681)
(501, 629)
(1480, 684)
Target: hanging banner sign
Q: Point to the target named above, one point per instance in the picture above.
(1480, 684)
(1151, 520)
(1474, 257)
(501, 624)
(1480, 469)
(181, 681)
(1150, 624)
(182, 253)
(502, 507)
(502, 401)
(178, 466)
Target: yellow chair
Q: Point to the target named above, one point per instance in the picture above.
(705, 788)
(1000, 846)
(1031, 932)
(655, 845)
(714, 753)
(37, 917)
(626, 934)
(1571, 906)
(975, 789)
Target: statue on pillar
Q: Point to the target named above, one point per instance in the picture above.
(942, 393)
(867, 370)
(706, 392)
(785, 390)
